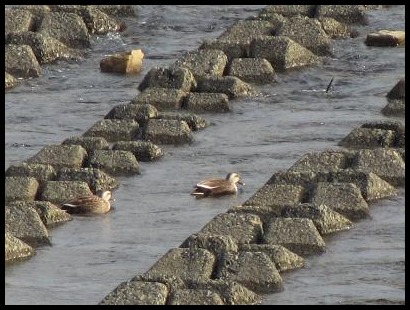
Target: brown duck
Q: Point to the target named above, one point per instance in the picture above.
(218, 187)
(88, 204)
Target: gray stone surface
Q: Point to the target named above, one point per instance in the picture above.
(232, 86)
(41, 172)
(114, 162)
(207, 102)
(24, 222)
(344, 198)
(398, 91)
(138, 112)
(162, 131)
(142, 150)
(59, 156)
(59, 191)
(15, 249)
(194, 297)
(325, 219)
(299, 235)
(21, 62)
(163, 99)
(10, 81)
(114, 130)
(360, 138)
(252, 70)
(88, 143)
(18, 21)
(254, 270)
(137, 293)
(328, 160)
(96, 179)
(20, 188)
(195, 122)
(349, 14)
(242, 228)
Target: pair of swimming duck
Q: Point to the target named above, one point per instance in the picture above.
(102, 203)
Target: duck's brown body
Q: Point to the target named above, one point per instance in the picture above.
(218, 187)
(88, 204)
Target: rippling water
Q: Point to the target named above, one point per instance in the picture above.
(154, 211)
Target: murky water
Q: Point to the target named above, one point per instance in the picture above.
(154, 212)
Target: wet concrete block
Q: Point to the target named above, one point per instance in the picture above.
(231, 86)
(138, 112)
(344, 198)
(49, 213)
(88, 143)
(387, 163)
(195, 122)
(371, 186)
(20, 188)
(45, 48)
(194, 297)
(282, 258)
(179, 78)
(308, 32)
(242, 228)
(328, 160)
(274, 196)
(114, 130)
(161, 131)
(18, 20)
(24, 222)
(348, 14)
(335, 29)
(207, 102)
(394, 108)
(114, 162)
(183, 263)
(137, 293)
(398, 91)
(15, 249)
(325, 219)
(142, 150)
(58, 156)
(99, 22)
(96, 179)
(231, 292)
(282, 52)
(68, 28)
(303, 178)
(231, 48)
(396, 126)
(252, 70)
(254, 270)
(41, 172)
(203, 62)
(289, 10)
(299, 235)
(246, 30)
(360, 138)
(59, 191)
(21, 62)
(163, 99)
(10, 81)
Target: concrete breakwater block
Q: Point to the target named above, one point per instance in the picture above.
(282, 258)
(142, 150)
(134, 111)
(162, 131)
(254, 270)
(96, 179)
(282, 52)
(324, 218)
(59, 191)
(114, 130)
(252, 70)
(207, 102)
(59, 156)
(163, 99)
(231, 86)
(360, 138)
(20, 188)
(327, 160)
(21, 62)
(89, 143)
(398, 91)
(194, 297)
(203, 62)
(24, 223)
(344, 198)
(49, 213)
(299, 235)
(179, 78)
(15, 249)
(195, 122)
(242, 228)
(114, 162)
(137, 293)
(387, 163)
(41, 172)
